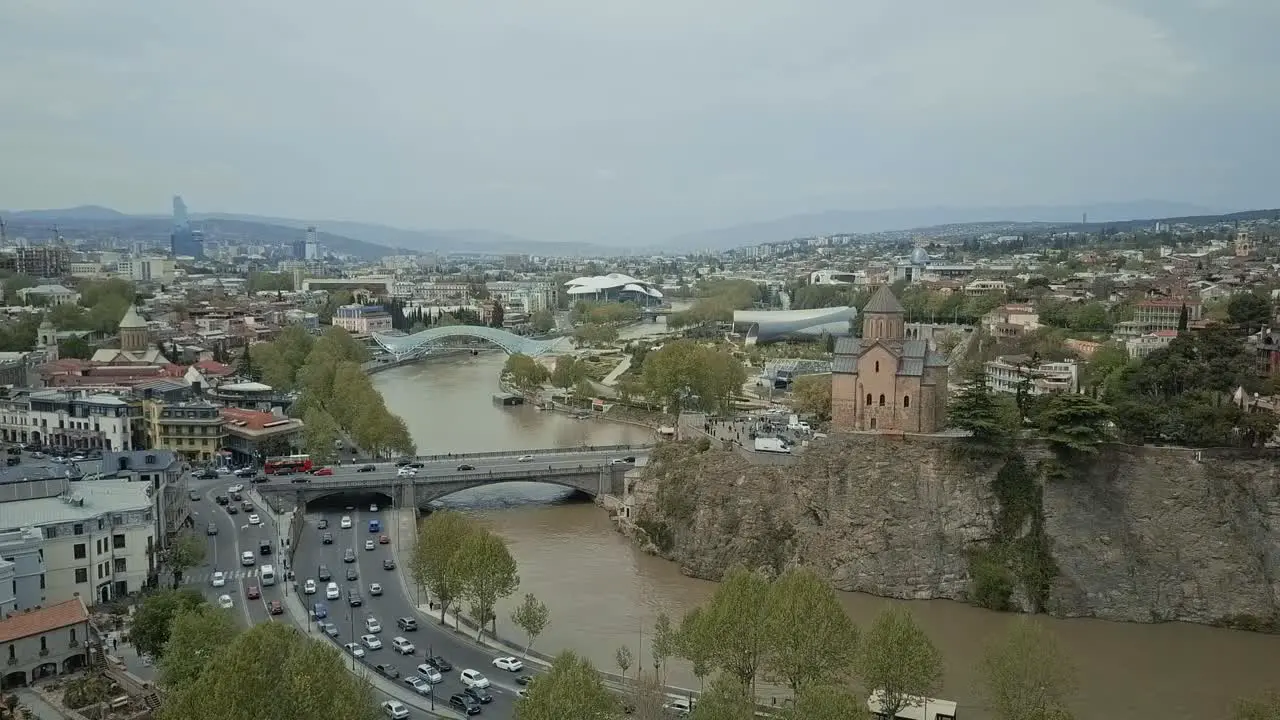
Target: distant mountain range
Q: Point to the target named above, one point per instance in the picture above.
(872, 221)
(371, 240)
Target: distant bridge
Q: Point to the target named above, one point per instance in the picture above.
(403, 346)
(591, 470)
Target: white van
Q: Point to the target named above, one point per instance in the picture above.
(268, 575)
(246, 558)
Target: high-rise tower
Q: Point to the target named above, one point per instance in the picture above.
(183, 241)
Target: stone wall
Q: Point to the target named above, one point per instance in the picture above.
(1136, 534)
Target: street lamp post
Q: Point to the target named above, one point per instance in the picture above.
(351, 615)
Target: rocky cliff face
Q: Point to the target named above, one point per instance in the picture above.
(1135, 534)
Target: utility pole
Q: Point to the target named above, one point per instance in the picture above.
(2, 235)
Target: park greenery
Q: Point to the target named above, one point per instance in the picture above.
(336, 397)
(716, 301)
(591, 312)
(187, 551)
(543, 321)
(102, 304)
(685, 374)
(457, 560)
(525, 373)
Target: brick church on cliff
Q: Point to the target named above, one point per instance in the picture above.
(885, 381)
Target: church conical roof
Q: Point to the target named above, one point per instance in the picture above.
(132, 320)
(884, 301)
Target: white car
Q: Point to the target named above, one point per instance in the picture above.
(403, 646)
(224, 602)
(354, 649)
(373, 507)
(219, 579)
(419, 685)
(309, 587)
(247, 558)
(430, 673)
(375, 589)
(331, 591)
(473, 678)
(371, 641)
(368, 545)
(508, 663)
(255, 520)
(395, 710)
(346, 522)
(525, 458)
(372, 625)
(235, 488)
(407, 471)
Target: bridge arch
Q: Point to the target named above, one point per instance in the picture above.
(425, 495)
(509, 342)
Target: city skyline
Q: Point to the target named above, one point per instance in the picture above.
(564, 123)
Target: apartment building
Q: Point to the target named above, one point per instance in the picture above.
(1144, 345)
(362, 319)
(74, 419)
(1009, 372)
(194, 430)
(97, 537)
(22, 580)
(1011, 320)
(986, 287)
(49, 295)
(252, 436)
(166, 475)
(1154, 315)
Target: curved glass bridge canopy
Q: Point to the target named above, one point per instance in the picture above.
(401, 345)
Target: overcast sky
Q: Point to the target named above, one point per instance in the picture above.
(628, 120)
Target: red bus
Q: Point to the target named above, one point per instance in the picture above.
(286, 464)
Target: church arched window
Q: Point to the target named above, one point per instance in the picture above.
(882, 400)
(868, 399)
(906, 401)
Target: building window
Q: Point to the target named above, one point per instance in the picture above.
(50, 533)
(73, 636)
(81, 550)
(868, 399)
(78, 529)
(44, 644)
(13, 655)
(41, 581)
(906, 401)
(117, 542)
(877, 366)
(120, 565)
(82, 576)
(882, 400)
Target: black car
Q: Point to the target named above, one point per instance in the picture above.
(353, 598)
(222, 500)
(439, 663)
(385, 670)
(233, 510)
(237, 497)
(408, 624)
(206, 475)
(524, 679)
(402, 462)
(352, 574)
(299, 479)
(259, 479)
(465, 704)
(323, 573)
(480, 695)
(327, 538)
(323, 524)
(367, 468)
(464, 467)
(388, 564)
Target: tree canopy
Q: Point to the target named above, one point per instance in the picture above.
(689, 375)
(571, 688)
(155, 615)
(1026, 675)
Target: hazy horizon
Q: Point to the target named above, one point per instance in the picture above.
(633, 122)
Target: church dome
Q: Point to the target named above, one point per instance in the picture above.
(919, 257)
(132, 320)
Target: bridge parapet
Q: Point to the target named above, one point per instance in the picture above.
(583, 450)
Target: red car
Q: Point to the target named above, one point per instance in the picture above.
(275, 608)
(252, 592)
(383, 540)
(323, 471)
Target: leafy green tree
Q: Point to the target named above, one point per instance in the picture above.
(976, 409)
(726, 699)
(737, 622)
(320, 432)
(663, 645)
(1249, 311)
(827, 703)
(525, 373)
(684, 374)
(187, 551)
(439, 541)
(531, 616)
(812, 395)
(75, 347)
(695, 643)
(645, 699)
(898, 661)
(488, 573)
(1026, 674)
(813, 641)
(1077, 422)
(543, 321)
(154, 617)
(273, 670)
(567, 372)
(1266, 707)
(624, 659)
(196, 634)
(1107, 361)
(594, 335)
(13, 284)
(571, 688)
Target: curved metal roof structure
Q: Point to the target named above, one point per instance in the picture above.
(771, 325)
(616, 282)
(510, 342)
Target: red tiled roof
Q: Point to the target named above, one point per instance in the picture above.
(213, 367)
(64, 614)
(252, 419)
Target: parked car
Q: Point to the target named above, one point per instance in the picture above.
(309, 587)
(439, 663)
(508, 663)
(464, 704)
(474, 678)
(386, 670)
(394, 709)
